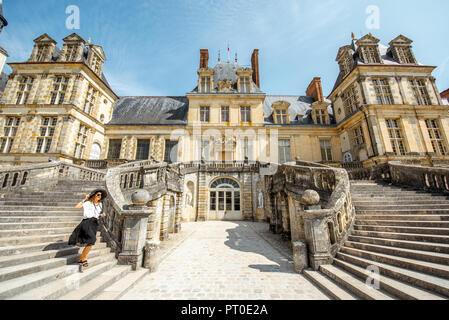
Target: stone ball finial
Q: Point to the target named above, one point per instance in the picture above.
(140, 197)
(310, 198)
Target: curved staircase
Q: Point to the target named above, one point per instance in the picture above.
(401, 232)
(35, 260)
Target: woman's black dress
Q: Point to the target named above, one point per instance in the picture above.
(85, 233)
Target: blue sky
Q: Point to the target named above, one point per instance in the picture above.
(153, 46)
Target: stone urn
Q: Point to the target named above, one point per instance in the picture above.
(140, 197)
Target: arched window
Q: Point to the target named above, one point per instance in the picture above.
(225, 196)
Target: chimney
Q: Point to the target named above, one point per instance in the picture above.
(255, 67)
(315, 90)
(204, 59)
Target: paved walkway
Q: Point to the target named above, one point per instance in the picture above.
(226, 261)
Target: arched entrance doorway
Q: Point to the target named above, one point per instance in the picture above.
(225, 200)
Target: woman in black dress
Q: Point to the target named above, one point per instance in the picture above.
(86, 232)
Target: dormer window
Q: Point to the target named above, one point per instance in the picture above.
(405, 55)
(71, 52)
(281, 116)
(401, 48)
(96, 65)
(370, 54)
(345, 60)
(244, 84)
(320, 116)
(205, 84)
(42, 53)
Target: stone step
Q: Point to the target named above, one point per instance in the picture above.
(415, 278)
(33, 232)
(13, 260)
(21, 285)
(401, 212)
(33, 247)
(411, 207)
(395, 287)
(34, 225)
(353, 284)
(414, 245)
(412, 199)
(44, 203)
(93, 287)
(122, 286)
(429, 256)
(398, 202)
(431, 268)
(60, 286)
(12, 272)
(397, 193)
(403, 223)
(42, 214)
(6, 209)
(417, 230)
(330, 287)
(402, 236)
(15, 241)
(407, 217)
(39, 219)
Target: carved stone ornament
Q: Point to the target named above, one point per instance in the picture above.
(225, 86)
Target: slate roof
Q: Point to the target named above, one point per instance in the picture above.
(227, 71)
(150, 111)
(299, 109)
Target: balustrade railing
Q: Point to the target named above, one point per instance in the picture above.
(47, 174)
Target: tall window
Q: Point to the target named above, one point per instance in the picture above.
(350, 101)
(143, 149)
(90, 100)
(59, 89)
(420, 92)
(247, 148)
(245, 113)
(358, 138)
(438, 144)
(114, 148)
(42, 53)
(396, 138)
(383, 92)
(11, 127)
(171, 151)
(284, 151)
(81, 141)
(326, 150)
(205, 114)
(244, 84)
(320, 116)
(346, 64)
(71, 52)
(47, 131)
(24, 90)
(224, 114)
(205, 84)
(281, 116)
(371, 54)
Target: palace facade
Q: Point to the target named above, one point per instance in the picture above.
(384, 106)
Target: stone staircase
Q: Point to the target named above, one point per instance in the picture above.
(35, 260)
(402, 232)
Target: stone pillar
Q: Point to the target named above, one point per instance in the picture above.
(135, 230)
(316, 231)
(300, 260)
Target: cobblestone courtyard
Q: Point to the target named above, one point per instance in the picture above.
(226, 260)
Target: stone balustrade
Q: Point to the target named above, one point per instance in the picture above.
(320, 210)
(45, 175)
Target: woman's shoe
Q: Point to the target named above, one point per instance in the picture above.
(82, 265)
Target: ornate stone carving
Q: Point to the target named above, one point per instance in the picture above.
(225, 86)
